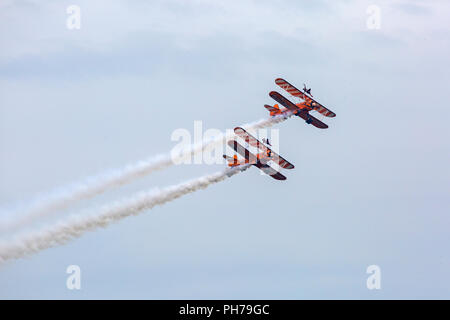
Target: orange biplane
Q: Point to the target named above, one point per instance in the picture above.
(259, 160)
(301, 109)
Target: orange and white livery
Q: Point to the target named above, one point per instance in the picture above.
(261, 159)
(301, 109)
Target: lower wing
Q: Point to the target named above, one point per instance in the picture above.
(270, 171)
(311, 120)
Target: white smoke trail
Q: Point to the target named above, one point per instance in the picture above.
(62, 198)
(75, 227)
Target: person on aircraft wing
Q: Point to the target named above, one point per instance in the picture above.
(308, 91)
(266, 141)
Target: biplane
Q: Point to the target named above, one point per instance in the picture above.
(301, 109)
(261, 159)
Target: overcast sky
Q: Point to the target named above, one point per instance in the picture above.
(371, 189)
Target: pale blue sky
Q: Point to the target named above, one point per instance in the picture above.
(371, 189)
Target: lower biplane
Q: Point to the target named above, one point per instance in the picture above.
(260, 160)
(301, 109)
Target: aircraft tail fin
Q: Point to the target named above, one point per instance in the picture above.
(232, 161)
(274, 110)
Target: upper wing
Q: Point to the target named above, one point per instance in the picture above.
(251, 140)
(298, 93)
(283, 84)
(321, 109)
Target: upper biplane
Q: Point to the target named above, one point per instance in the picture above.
(261, 159)
(300, 109)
